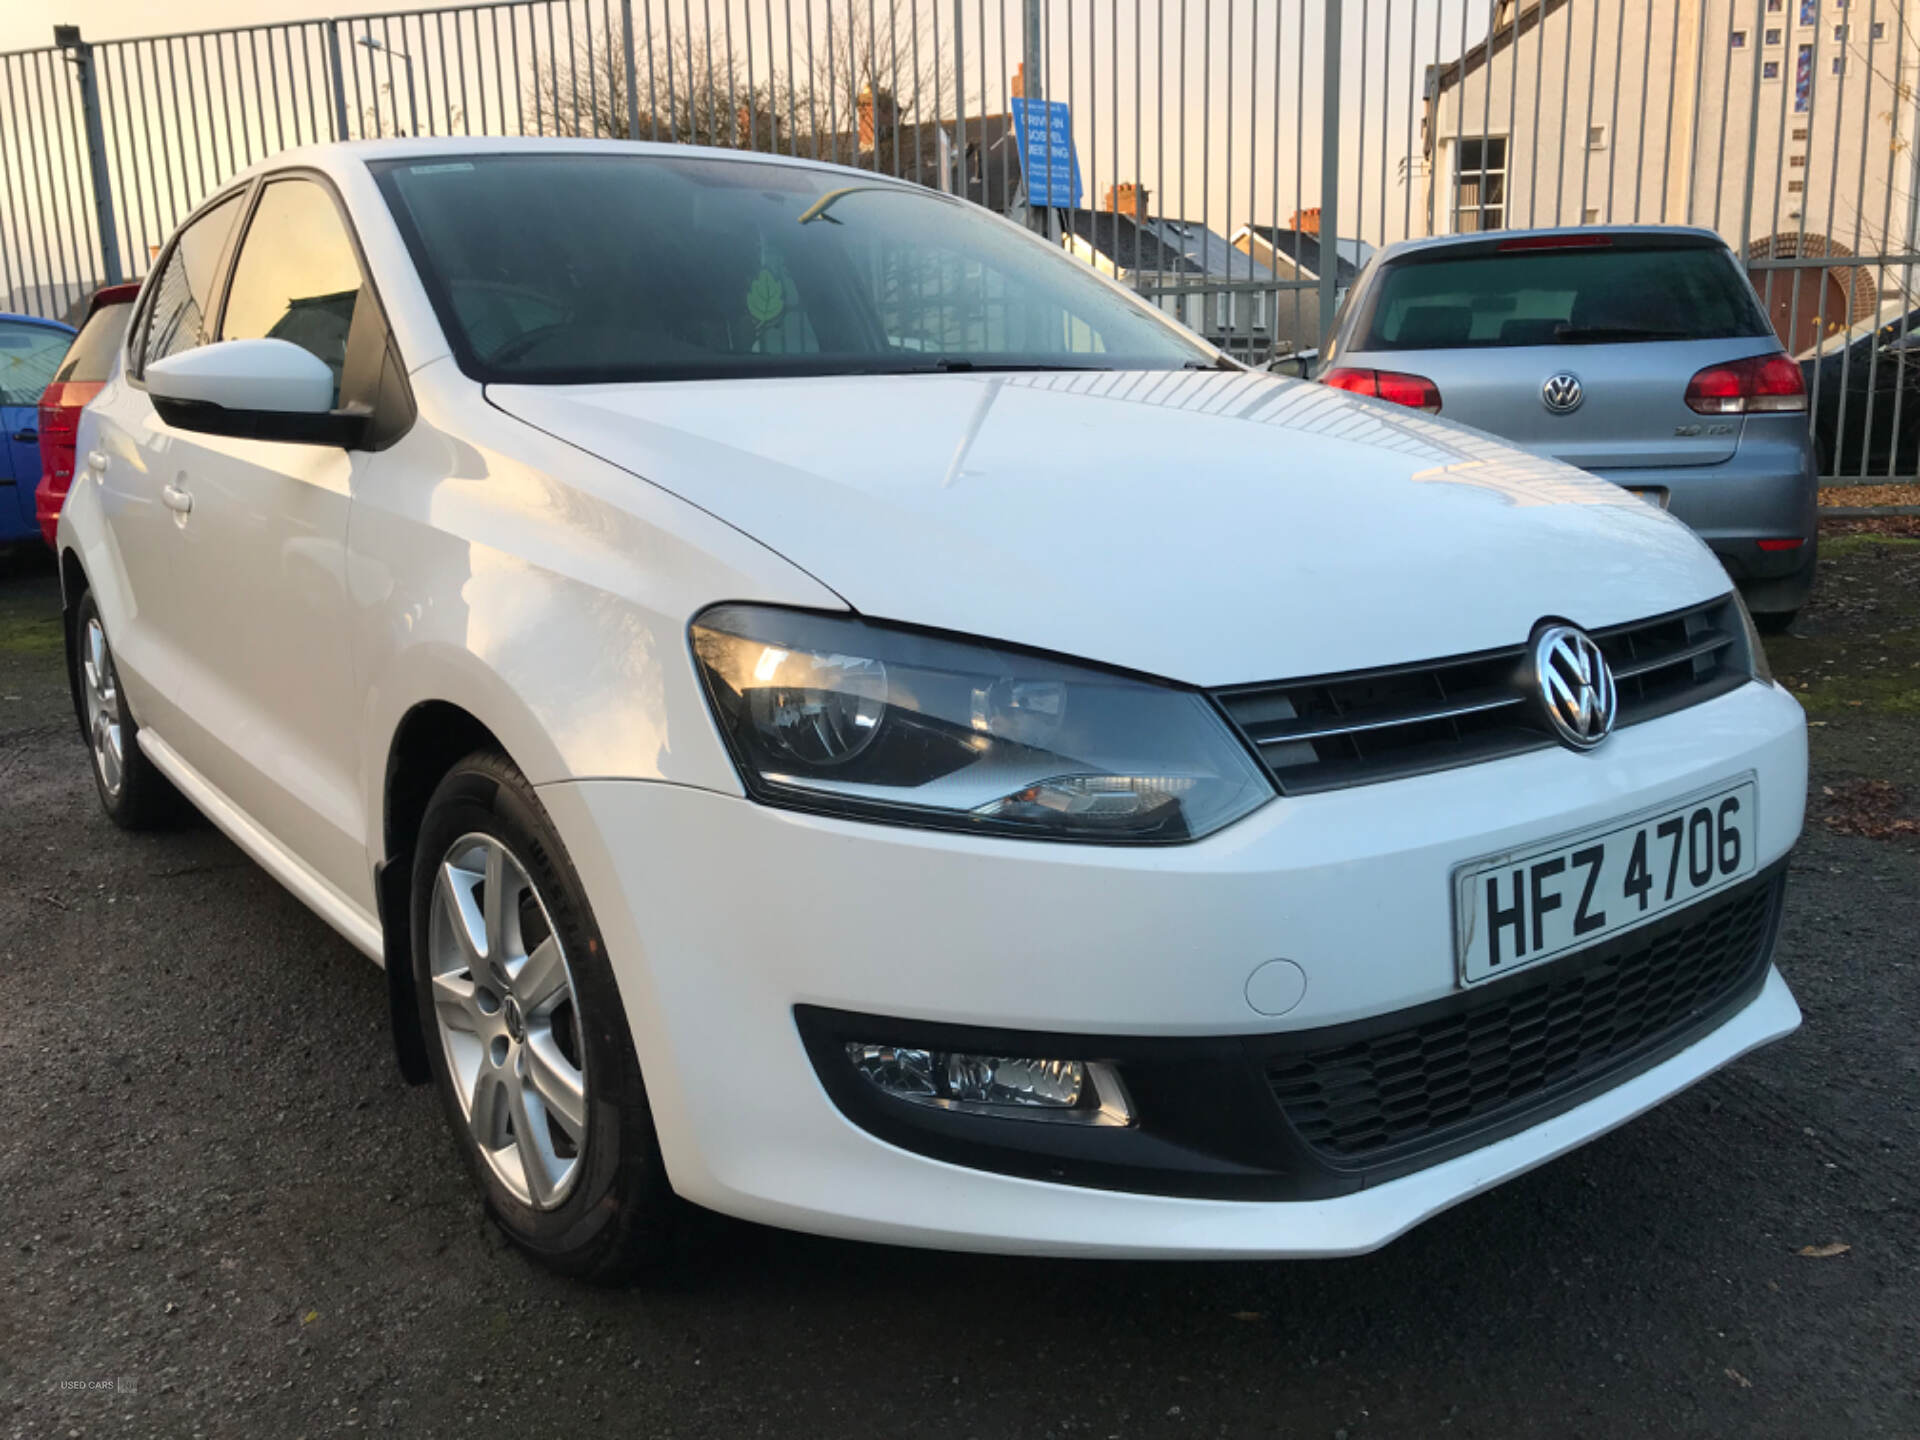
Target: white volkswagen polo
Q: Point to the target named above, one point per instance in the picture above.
(829, 710)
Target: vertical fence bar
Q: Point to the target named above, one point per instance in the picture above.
(959, 85)
(59, 168)
(1329, 166)
(7, 247)
(339, 88)
(17, 211)
(633, 83)
(1753, 130)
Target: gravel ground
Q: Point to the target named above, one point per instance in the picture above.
(225, 1215)
(1890, 494)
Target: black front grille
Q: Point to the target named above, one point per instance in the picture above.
(1354, 729)
(1504, 1050)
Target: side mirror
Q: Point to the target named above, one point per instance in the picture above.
(1299, 364)
(252, 390)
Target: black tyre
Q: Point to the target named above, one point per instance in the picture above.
(527, 1037)
(135, 795)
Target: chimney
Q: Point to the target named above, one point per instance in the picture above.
(1019, 83)
(1128, 197)
(876, 115)
(1307, 222)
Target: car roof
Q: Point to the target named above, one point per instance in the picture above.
(36, 320)
(339, 155)
(1430, 243)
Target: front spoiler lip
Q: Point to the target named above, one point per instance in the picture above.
(1209, 1125)
(1165, 1227)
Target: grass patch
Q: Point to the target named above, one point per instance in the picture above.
(1839, 547)
(38, 636)
(1875, 694)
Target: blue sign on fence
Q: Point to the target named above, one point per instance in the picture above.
(1045, 137)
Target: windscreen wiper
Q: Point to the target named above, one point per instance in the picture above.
(959, 366)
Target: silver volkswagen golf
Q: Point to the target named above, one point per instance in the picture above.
(1639, 353)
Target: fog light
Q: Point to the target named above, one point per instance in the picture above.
(906, 1073)
(1021, 1087)
(1005, 1080)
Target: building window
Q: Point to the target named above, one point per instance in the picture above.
(1591, 216)
(1222, 313)
(1809, 12)
(1796, 162)
(1738, 40)
(1260, 309)
(1840, 34)
(1596, 137)
(1803, 79)
(1877, 30)
(1799, 132)
(1480, 184)
(1770, 70)
(1795, 187)
(1772, 35)
(1774, 7)
(1839, 64)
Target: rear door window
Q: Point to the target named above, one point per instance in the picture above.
(1603, 295)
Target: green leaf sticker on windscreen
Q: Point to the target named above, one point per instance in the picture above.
(766, 298)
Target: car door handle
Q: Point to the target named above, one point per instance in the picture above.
(178, 500)
(26, 437)
(97, 461)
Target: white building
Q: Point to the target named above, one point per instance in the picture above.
(1784, 124)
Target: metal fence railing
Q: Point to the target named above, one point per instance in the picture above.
(1237, 161)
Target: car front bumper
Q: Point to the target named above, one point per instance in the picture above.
(724, 920)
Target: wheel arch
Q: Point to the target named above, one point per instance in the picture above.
(430, 739)
(73, 584)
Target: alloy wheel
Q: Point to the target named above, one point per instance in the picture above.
(101, 684)
(505, 1007)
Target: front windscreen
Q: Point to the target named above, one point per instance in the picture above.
(557, 268)
(1599, 296)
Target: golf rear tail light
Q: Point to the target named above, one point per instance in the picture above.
(1759, 384)
(1789, 542)
(1015, 1086)
(1416, 392)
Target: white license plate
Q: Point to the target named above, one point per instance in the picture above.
(1527, 906)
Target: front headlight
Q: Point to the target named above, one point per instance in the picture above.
(1756, 647)
(823, 712)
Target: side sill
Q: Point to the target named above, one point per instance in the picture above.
(361, 930)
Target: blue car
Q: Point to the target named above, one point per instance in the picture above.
(30, 351)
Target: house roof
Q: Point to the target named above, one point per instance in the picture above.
(1303, 249)
(992, 166)
(1507, 28)
(1209, 253)
(1127, 244)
